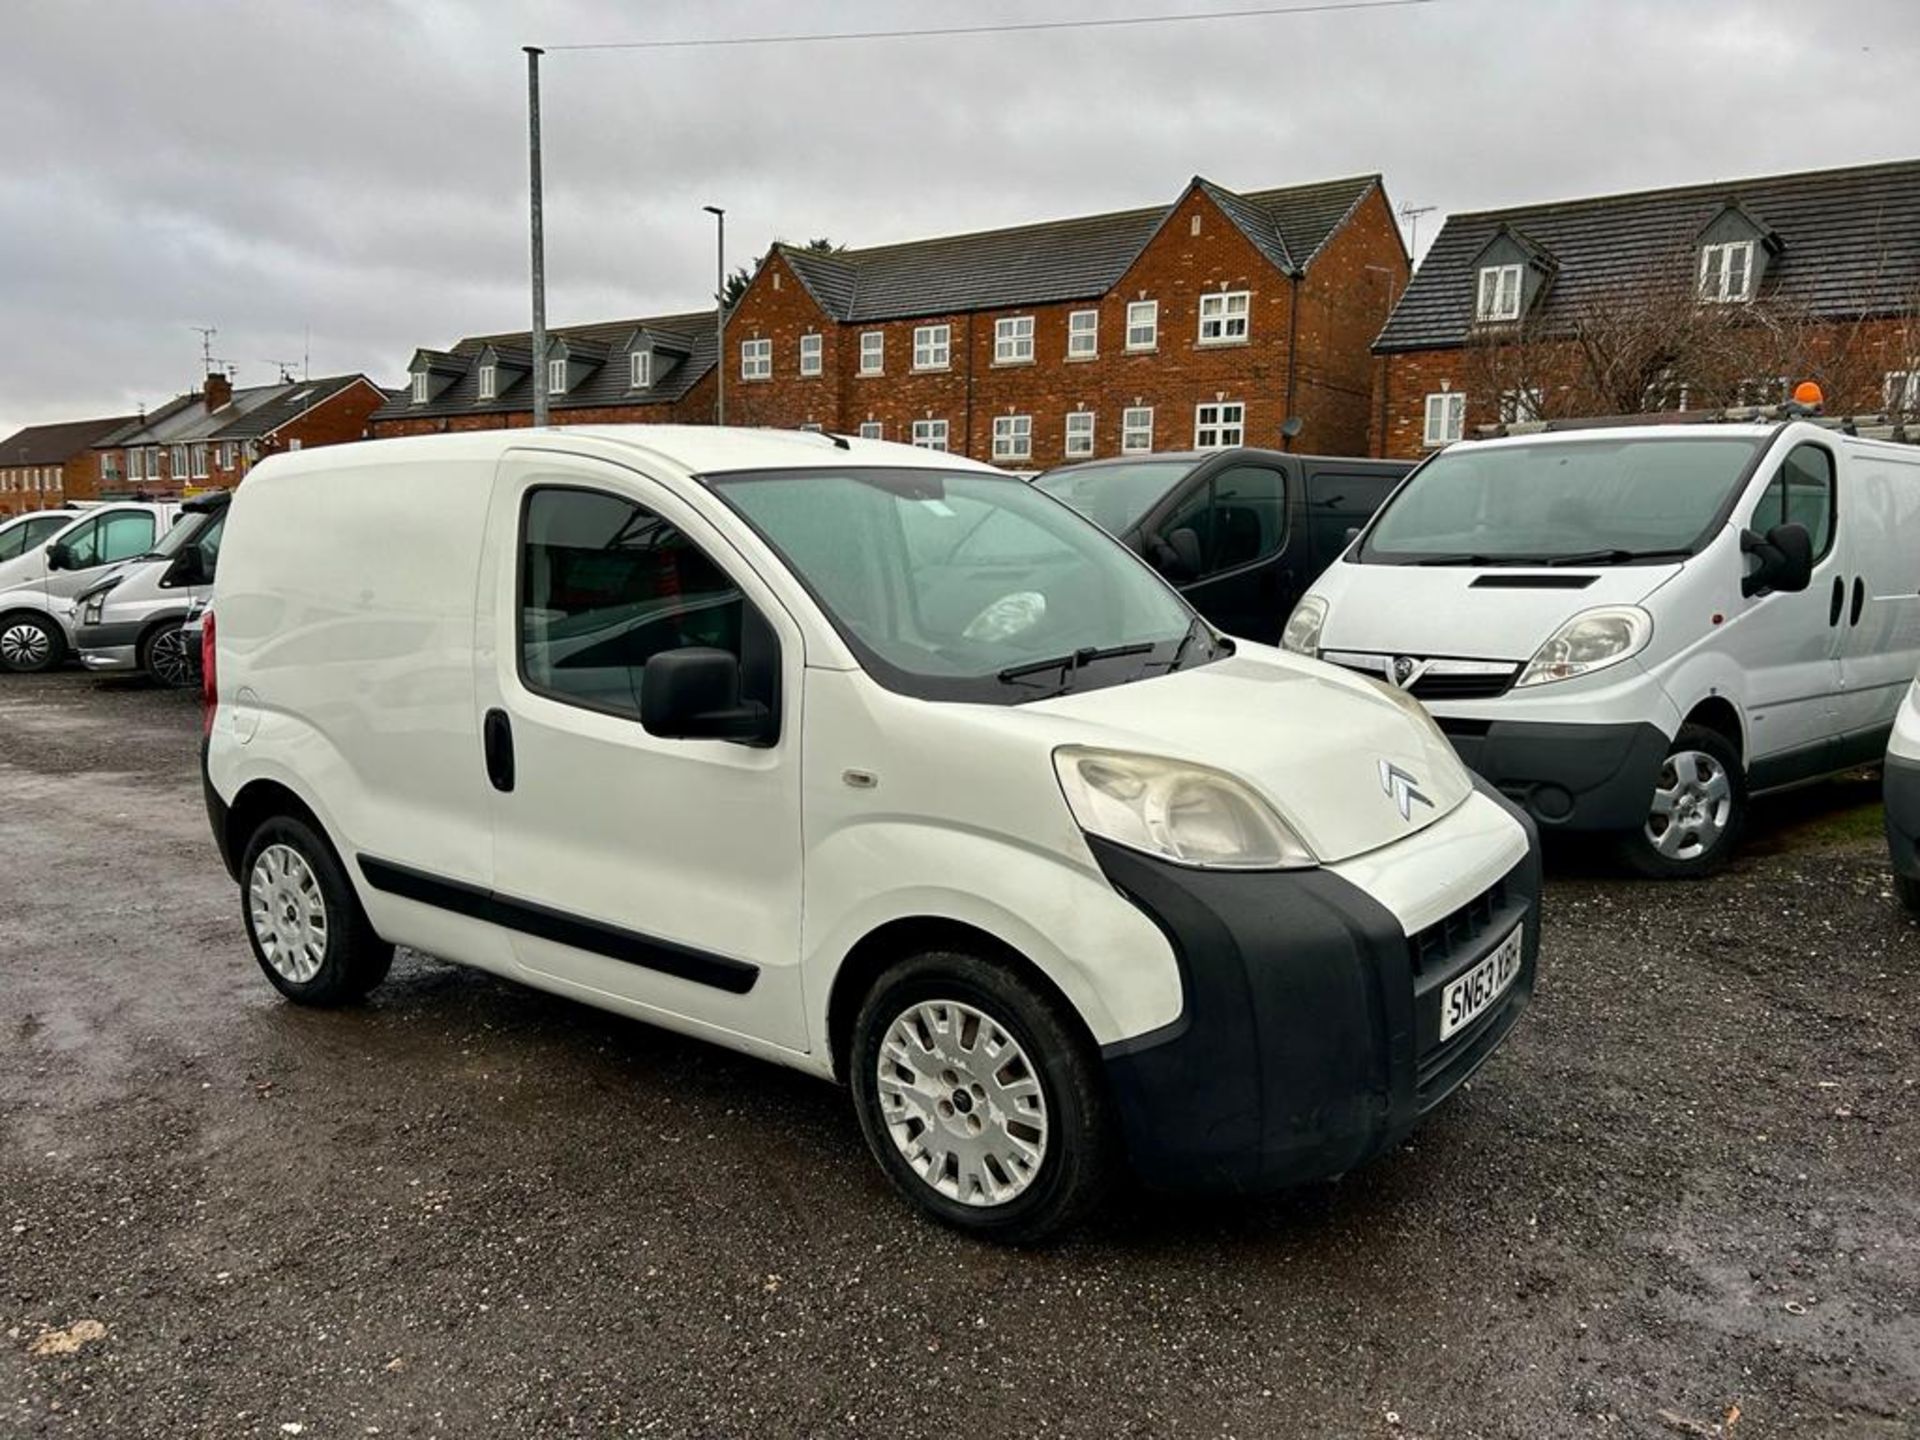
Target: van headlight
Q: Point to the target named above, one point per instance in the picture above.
(1309, 618)
(93, 603)
(1590, 641)
(1186, 813)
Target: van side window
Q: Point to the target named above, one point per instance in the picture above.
(605, 585)
(1339, 503)
(1801, 494)
(108, 538)
(1240, 517)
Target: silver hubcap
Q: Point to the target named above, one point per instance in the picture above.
(167, 655)
(24, 645)
(289, 913)
(1691, 806)
(962, 1103)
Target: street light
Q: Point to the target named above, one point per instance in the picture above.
(719, 313)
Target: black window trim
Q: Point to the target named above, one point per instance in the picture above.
(560, 697)
(1206, 473)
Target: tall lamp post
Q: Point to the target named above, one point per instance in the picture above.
(539, 336)
(719, 313)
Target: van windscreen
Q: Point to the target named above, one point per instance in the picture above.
(968, 586)
(1601, 500)
(1114, 497)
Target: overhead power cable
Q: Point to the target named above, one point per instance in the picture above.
(1322, 7)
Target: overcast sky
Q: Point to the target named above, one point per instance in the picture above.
(355, 171)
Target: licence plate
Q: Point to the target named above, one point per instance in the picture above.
(1470, 995)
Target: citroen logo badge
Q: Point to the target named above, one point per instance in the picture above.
(1402, 789)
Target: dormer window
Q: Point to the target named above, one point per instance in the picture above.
(1726, 272)
(1500, 293)
(557, 376)
(489, 381)
(640, 369)
(420, 382)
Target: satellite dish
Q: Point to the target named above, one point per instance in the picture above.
(1292, 426)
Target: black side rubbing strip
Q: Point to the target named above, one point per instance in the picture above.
(736, 977)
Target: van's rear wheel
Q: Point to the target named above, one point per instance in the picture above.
(30, 643)
(308, 931)
(1697, 810)
(979, 1099)
(165, 657)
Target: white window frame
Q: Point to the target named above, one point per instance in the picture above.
(1013, 437)
(1445, 418)
(1136, 430)
(1079, 436)
(1013, 340)
(176, 462)
(1716, 272)
(293, 444)
(1143, 316)
(108, 470)
(1225, 316)
(1083, 334)
(557, 376)
(930, 434)
(813, 427)
(489, 381)
(813, 350)
(1498, 297)
(756, 359)
(872, 430)
(932, 347)
(420, 381)
(1217, 431)
(226, 455)
(197, 455)
(873, 352)
(1901, 391)
(640, 369)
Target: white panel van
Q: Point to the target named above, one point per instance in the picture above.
(38, 584)
(866, 760)
(1632, 629)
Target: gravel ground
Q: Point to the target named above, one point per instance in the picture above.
(1686, 1186)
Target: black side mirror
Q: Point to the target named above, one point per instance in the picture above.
(1177, 556)
(59, 557)
(694, 694)
(1784, 557)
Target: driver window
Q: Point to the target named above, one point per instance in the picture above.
(1239, 517)
(125, 535)
(1801, 493)
(83, 545)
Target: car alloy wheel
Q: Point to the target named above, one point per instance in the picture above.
(289, 913)
(962, 1102)
(168, 659)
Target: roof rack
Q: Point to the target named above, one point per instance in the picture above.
(1875, 426)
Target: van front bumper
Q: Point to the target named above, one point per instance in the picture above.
(1567, 776)
(110, 657)
(1309, 1037)
(1902, 791)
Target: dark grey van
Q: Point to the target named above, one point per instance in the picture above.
(1242, 533)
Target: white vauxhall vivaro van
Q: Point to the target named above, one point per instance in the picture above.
(867, 760)
(1633, 629)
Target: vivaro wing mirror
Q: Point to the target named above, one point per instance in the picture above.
(1784, 560)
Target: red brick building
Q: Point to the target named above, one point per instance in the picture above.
(210, 438)
(43, 466)
(1211, 321)
(1697, 297)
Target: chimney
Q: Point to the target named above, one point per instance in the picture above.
(218, 391)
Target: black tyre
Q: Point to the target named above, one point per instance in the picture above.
(30, 643)
(1908, 889)
(1696, 812)
(984, 1103)
(166, 658)
(308, 931)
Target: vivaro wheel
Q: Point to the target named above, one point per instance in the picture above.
(1697, 810)
(308, 931)
(165, 658)
(982, 1103)
(1909, 892)
(30, 643)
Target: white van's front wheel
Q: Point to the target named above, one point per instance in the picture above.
(1697, 811)
(979, 1099)
(29, 643)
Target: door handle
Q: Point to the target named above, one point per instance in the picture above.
(1839, 600)
(1859, 600)
(496, 735)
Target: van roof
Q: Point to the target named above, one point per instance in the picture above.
(698, 449)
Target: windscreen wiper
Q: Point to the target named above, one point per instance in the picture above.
(1615, 557)
(1067, 664)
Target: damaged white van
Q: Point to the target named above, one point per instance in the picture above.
(866, 760)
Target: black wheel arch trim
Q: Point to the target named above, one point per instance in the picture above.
(543, 922)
